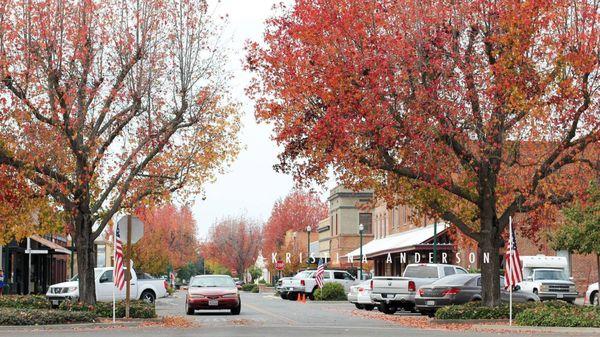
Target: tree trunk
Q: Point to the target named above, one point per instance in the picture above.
(86, 259)
(489, 260)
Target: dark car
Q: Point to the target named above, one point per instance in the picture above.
(212, 292)
(460, 289)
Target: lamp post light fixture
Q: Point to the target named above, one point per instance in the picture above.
(308, 230)
(361, 228)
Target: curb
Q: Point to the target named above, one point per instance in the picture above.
(468, 321)
(515, 328)
(49, 327)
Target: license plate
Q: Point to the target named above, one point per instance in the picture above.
(213, 303)
(430, 303)
(559, 295)
(54, 302)
(290, 289)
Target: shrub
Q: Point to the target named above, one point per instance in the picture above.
(262, 281)
(20, 316)
(25, 302)
(474, 310)
(331, 292)
(137, 309)
(562, 316)
(250, 287)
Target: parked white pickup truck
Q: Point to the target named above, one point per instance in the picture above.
(547, 277)
(394, 292)
(146, 289)
(304, 282)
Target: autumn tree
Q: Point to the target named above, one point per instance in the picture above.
(23, 211)
(296, 211)
(581, 233)
(233, 242)
(470, 110)
(107, 103)
(169, 239)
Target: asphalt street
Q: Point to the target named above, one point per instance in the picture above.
(267, 315)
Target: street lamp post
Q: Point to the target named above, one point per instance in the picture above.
(308, 230)
(435, 243)
(361, 228)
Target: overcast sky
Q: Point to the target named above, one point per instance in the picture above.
(251, 186)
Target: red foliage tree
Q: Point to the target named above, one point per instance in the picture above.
(471, 110)
(107, 103)
(233, 242)
(169, 239)
(296, 211)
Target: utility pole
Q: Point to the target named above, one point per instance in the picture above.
(361, 228)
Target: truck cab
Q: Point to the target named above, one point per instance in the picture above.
(547, 277)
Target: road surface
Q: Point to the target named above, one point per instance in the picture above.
(269, 316)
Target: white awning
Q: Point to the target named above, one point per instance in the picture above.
(57, 248)
(396, 242)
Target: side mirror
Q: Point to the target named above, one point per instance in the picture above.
(571, 278)
(517, 288)
(103, 279)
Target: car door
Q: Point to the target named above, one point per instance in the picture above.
(105, 287)
(350, 281)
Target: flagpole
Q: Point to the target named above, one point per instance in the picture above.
(114, 269)
(510, 234)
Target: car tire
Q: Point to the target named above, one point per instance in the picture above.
(595, 299)
(236, 310)
(283, 296)
(148, 296)
(389, 310)
(369, 307)
(359, 306)
(188, 310)
(292, 296)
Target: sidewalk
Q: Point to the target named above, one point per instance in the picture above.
(534, 329)
(77, 326)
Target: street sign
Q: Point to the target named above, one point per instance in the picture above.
(132, 229)
(137, 228)
(279, 265)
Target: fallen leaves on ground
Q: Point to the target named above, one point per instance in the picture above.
(171, 322)
(420, 322)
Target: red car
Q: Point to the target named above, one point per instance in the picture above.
(212, 292)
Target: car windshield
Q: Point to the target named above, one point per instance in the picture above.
(548, 274)
(212, 282)
(303, 274)
(454, 280)
(421, 272)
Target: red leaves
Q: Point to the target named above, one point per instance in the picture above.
(298, 210)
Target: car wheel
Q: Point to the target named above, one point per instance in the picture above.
(292, 296)
(236, 310)
(148, 296)
(369, 307)
(283, 296)
(188, 310)
(389, 310)
(359, 306)
(595, 299)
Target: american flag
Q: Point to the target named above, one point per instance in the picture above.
(119, 272)
(319, 273)
(513, 270)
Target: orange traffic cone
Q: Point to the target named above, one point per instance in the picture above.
(299, 299)
(303, 298)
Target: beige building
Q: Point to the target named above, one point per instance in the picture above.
(338, 235)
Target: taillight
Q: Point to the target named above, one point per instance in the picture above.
(451, 291)
(411, 286)
(302, 282)
(361, 289)
(371, 284)
(421, 292)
